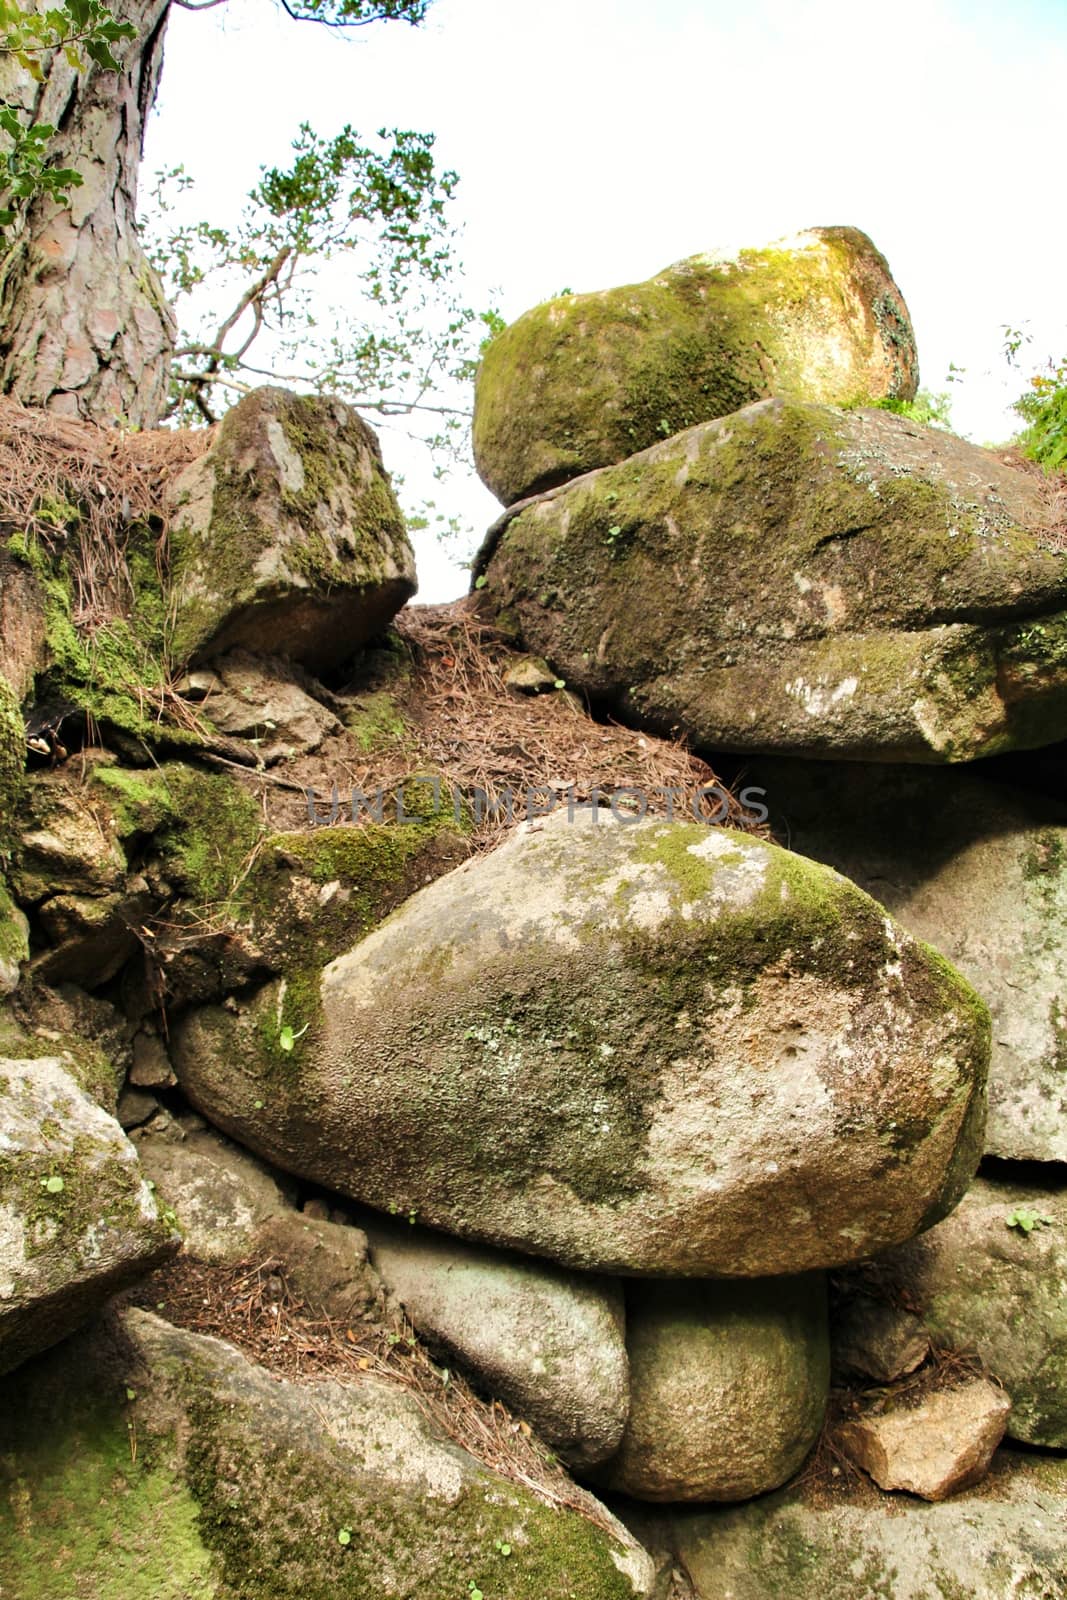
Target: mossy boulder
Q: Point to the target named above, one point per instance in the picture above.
(147, 1463)
(23, 631)
(14, 942)
(589, 379)
(991, 1279)
(826, 583)
(729, 1383)
(77, 1219)
(979, 871)
(550, 1343)
(647, 1048)
(819, 1540)
(247, 901)
(286, 532)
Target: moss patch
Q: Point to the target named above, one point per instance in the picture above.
(84, 1513)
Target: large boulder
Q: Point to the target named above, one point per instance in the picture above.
(77, 1218)
(589, 379)
(286, 532)
(150, 1461)
(645, 1048)
(550, 1343)
(827, 583)
(980, 872)
(825, 1539)
(991, 1279)
(729, 1384)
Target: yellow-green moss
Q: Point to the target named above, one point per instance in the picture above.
(585, 380)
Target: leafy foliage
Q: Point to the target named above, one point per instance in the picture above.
(1044, 410)
(932, 410)
(1026, 1219)
(380, 207)
(84, 31)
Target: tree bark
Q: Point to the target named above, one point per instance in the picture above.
(85, 328)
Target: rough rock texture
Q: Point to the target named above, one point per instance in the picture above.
(14, 942)
(980, 872)
(934, 1448)
(827, 583)
(1008, 1537)
(729, 1384)
(287, 532)
(983, 1284)
(259, 699)
(881, 1341)
(589, 379)
(77, 1220)
(649, 1048)
(242, 1485)
(221, 1196)
(23, 645)
(230, 1207)
(549, 1343)
(72, 873)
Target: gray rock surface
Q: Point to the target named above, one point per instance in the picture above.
(550, 1343)
(259, 698)
(650, 1048)
(990, 1279)
(147, 1461)
(1007, 1537)
(77, 1219)
(827, 583)
(979, 871)
(729, 1383)
(881, 1341)
(286, 530)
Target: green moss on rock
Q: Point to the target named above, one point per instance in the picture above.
(585, 380)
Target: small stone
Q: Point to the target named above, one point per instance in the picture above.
(151, 1067)
(530, 675)
(932, 1449)
(135, 1108)
(882, 1341)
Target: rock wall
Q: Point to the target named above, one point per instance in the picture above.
(526, 1128)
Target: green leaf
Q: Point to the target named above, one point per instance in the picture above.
(54, 1185)
(481, 581)
(286, 1038)
(1025, 1219)
(131, 1394)
(344, 1536)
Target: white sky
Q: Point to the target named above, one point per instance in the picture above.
(599, 140)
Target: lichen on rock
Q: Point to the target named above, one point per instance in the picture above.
(586, 380)
(286, 529)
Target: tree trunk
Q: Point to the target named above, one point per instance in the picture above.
(85, 328)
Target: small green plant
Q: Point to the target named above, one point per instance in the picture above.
(501, 1547)
(929, 409)
(1025, 1219)
(287, 1038)
(1044, 410)
(1043, 407)
(344, 1536)
(53, 1185)
(473, 1591)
